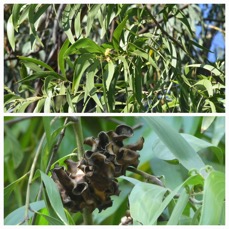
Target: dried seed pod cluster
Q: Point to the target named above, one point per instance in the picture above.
(90, 182)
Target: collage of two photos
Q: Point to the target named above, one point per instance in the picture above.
(114, 114)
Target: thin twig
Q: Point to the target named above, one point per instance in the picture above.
(150, 178)
(160, 21)
(32, 170)
(16, 120)
(162, 30)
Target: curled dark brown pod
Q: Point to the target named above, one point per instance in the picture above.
(90, 182)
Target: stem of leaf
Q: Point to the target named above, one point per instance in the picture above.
(150, 178)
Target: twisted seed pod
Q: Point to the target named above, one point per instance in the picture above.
(90, 182)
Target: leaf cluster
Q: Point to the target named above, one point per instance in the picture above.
(110, 58)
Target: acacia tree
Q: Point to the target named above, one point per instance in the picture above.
(112, 58)
(174, 174)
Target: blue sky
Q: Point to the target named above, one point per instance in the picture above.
(218, 41)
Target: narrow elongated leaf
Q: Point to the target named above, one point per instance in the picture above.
(176, 144)
(67, 21)
(92, 14)
(35, 61)
(138, 82)
(32, 20)
(213, 199)
(194, 180)
(117, 34)
(146, 56)
(219, 130)
(90, 89)
(84, 45)
(41, 74)
(50, 219)
(61, 60)
(39, 106)
(208, 67)
(54, 197)
(179, 208)
(48, 100)
(207, 121)
(77, 24)
(160, 150)
(10, 32)
(207, 84)
(16, 14)
(111, 69)
(81, 64)
(17, 216)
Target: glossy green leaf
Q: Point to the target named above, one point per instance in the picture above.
(210, 105)
(143, 206)
(138, 82)
(61, 60)
(219, 130)
(111, 69)
(194, 180)
(25, 103)
(179, 208)
(48, 102)
(81, 64)
(146, 56)
(16, 15)
(67, 17)
(84, 45)
(92, 14)
(207, 84)
(90, 89)
(77, 24)
(51, 220)
(117, 34)
(213, 199)
(207, 121)
(10, 32)
(39, 106)
(17, 216)
(71, 107)
(35, 61)
(176, 144)
(32, 19)
(54, 197)
(208, 67)
(42, 74)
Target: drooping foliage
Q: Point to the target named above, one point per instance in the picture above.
(113, 58)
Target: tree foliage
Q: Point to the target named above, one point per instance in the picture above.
(185, 155)
(111, 58)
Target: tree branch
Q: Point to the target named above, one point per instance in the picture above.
(162, 30)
